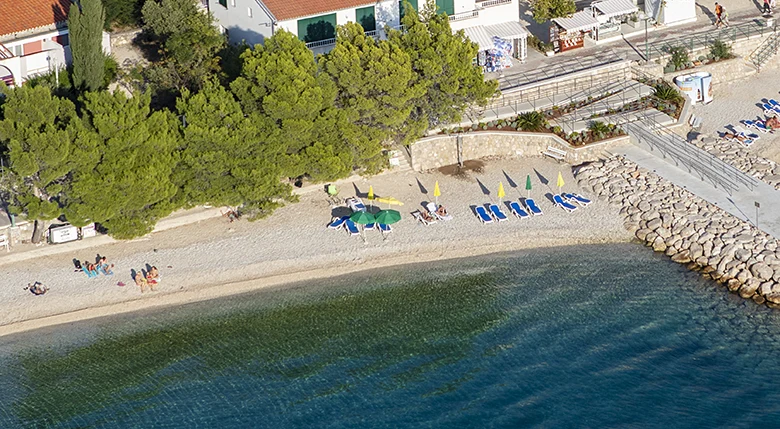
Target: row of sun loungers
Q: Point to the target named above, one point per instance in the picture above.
(772, 107)
(352, 228)
(757, 124)
(568, 202)
(743, 136)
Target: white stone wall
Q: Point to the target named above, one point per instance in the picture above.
(239, 25)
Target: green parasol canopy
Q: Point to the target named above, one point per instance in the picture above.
(363, 218)
(387, 217)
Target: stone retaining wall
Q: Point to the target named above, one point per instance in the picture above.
(438, 151)
(688, 229)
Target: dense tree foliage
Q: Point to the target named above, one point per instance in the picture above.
(85, 28)
(545, 10)
(188, 41)
(237, 136)
(225, 159)
(123, 13)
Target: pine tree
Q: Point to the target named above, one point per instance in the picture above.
(442, 62)
(224, 159)
(85, 27)
(127, 154)
(39, 131)
(376, 87)
(281, 88)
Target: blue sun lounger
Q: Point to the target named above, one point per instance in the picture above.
(757, 125)
(338, 222)
(563, 204)
(385, 228)
(518, 211)
(483, 215)
(577, 198)
(106, 270)
(770, 109)
(532, 207)
(352, 229)
(89, 273)
(497, 213)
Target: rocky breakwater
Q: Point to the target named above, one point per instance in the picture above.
(737, 155)
(688, 229)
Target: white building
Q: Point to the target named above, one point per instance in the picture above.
(315, 21)
(34, 38)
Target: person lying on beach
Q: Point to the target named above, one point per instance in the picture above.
(105, 268)
(441, 211)
(140, 280)
(732, 136)
(426, 216)
(37, 288)
(154, 273)
(151, 280)
(772, 123)
(232, 215)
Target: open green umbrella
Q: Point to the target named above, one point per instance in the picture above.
(387, 217)
(362, 218)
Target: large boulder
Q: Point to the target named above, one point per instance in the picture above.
(749, 288)
(762, 271)
(682, 257)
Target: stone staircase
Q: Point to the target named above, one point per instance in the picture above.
(765, 51)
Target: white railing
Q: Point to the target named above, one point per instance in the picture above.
(5, 53)
(464, 15)
(328, 42)
(492, 3)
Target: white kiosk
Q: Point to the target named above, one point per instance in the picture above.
(697, 86)
(671, 12)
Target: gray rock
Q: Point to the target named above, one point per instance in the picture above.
(743, 254)
(644, 206)
(683, 257)
(696, 250)
(654, 224)
(749, 288)
(765, 288)
(663, 232)
(762, 271)
(659, 245)
(733, 285)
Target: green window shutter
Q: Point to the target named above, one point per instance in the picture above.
(446, 6)
(401, 6)
(317, 28)
(365, 17)
(223, 3)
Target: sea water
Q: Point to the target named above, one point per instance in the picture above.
(587, 336)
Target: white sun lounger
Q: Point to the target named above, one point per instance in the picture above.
(433, 210)
(497, 213)
(577, 199)
(356, 204)
(418, 215)
(337, 222)
(351, 227)
(530, 204)
(518, 211)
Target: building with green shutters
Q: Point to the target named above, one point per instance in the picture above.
(315, 21)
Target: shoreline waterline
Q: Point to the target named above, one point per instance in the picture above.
(231, 288)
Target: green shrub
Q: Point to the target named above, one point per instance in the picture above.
(599, 129)
(665, 91)
(719, 50)
(679, 57)
(532, 121)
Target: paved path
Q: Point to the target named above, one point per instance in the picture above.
(741, 204)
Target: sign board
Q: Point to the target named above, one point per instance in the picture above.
(63, 234)
(88, 231)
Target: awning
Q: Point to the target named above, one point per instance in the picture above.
(507, 30)
(479, 35)
(580, 21)
(482, 35)
(610, 8)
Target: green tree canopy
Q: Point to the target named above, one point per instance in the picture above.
(189, 43)
(85, 26)
(545, 10)
(376, 88)
(225, 160)
(281, 88)
(126, 161)
(39, 131)
(442, 62)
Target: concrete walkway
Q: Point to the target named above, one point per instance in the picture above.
(741, 204)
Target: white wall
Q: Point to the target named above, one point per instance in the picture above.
(239, 25)
(464, 5)
(509, 12)
(385, 12)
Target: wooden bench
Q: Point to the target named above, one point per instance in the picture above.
(695, 123)
(554, 152)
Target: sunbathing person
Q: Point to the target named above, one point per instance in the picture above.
(426, 216)
(772, 123)
(154, 273)
(441, 211)
(105, 267)
(140, 280)
(37, 288)
(732, 136)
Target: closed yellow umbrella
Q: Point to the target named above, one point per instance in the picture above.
(501, 193)
(389, 201)
(371, 193)
(436, 192)
(560, 182)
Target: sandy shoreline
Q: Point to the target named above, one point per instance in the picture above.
(214, 259)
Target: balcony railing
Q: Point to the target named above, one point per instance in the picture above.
(328, 42)
(5, 53)
(464, 15)
(491, 3)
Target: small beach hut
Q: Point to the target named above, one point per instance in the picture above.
(569, 33)
(611, 14)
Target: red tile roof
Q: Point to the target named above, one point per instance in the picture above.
(20, 15)
(289, 9)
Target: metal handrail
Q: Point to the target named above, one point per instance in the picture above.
(767, 49)
(701, 40)
(719, 172)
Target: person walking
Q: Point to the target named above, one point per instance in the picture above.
(767, 8)
(718, 13)
(724, 17)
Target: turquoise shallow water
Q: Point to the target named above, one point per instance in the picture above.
(593, 336)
